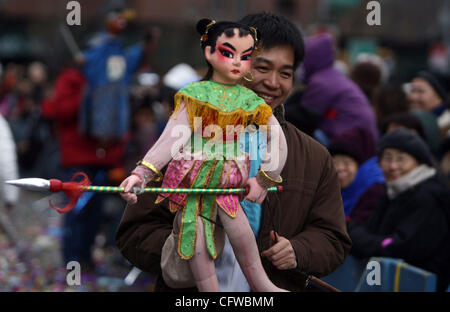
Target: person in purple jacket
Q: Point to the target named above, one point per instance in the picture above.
(338, 101)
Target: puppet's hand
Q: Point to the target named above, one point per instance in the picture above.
(128, 184)
(257, 193)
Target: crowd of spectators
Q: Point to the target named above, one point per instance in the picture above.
(390, 145)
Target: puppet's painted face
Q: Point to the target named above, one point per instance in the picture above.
(231, 57)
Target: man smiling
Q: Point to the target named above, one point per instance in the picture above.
(302, 229)
(273, 70)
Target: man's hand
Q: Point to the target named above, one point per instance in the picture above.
(281, 254)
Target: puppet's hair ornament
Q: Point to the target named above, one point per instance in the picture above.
(255, 32)
(205, 35)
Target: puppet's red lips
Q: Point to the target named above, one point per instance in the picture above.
(235, 71)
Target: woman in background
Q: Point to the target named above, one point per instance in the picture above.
(411, 220)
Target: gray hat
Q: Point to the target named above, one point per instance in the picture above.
(408, 142)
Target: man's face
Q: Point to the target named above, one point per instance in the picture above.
(273, 70)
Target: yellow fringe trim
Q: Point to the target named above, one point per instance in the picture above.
(211, 114)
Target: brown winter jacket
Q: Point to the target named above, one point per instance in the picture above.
(309, 212)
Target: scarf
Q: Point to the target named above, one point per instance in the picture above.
(409, 180)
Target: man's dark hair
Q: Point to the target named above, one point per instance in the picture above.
(274, 30)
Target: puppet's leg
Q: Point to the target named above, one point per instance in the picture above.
(246, 251)
(202, 265)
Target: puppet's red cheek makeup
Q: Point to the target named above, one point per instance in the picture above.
(246, 63)
(224, 59)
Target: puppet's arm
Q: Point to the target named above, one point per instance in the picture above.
(176, 133)
(275, 155)
(272, 163)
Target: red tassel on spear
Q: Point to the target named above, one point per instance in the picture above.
(73, 190)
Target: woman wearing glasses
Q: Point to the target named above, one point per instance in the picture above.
(411, 220)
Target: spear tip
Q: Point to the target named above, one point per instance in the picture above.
(34, 184)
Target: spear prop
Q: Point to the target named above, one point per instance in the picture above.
(74, 189)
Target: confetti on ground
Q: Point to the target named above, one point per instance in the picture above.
(34, 263)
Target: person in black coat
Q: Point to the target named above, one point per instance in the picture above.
(411, 220)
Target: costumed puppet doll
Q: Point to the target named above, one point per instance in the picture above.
(219, 105)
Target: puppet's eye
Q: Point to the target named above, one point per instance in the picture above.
(246, 57)
(226, 53)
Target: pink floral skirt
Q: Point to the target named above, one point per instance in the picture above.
(183, 173)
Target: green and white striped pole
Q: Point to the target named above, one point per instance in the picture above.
(73, 189)
(113, 189)
(37, 184)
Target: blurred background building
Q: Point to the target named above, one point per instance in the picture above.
(413, 28)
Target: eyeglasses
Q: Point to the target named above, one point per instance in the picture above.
(400, 160)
